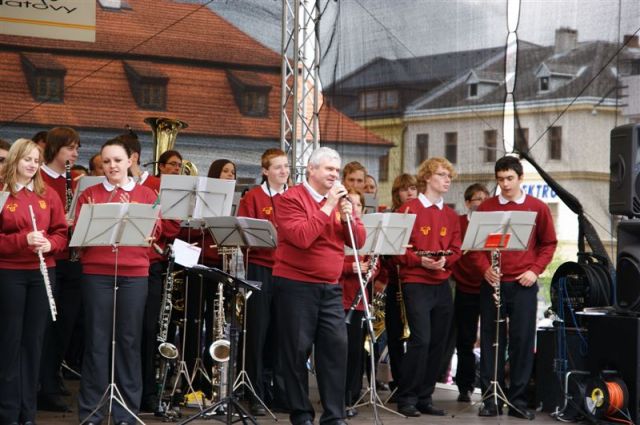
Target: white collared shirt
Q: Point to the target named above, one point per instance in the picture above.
(266, 189)
(143, 177)
(127, 187)
(427, 203)
(314, 194)
(29, 186)
(519, 201)
(53, 174)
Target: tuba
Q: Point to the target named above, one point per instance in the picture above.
(165, 131)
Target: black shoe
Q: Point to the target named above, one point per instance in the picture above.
(428, 409)
(464, 397)
(257, 409)
(29, 423)
(351, 412)
(521, 413)
(52, 403)
(409, 410)
(488, 409)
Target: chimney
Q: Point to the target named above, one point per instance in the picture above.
(566, 40)
(631, 40)
(111, 4)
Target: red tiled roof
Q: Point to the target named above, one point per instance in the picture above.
(43, 61)
(164, 28)
(248, 78)
(337, 127)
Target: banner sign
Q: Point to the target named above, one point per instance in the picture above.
(59, 19)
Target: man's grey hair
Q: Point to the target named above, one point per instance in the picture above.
(322, 154)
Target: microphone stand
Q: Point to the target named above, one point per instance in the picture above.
(374, 400)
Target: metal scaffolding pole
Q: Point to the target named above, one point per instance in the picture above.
(299, 127)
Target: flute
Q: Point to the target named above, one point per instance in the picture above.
(45, 272)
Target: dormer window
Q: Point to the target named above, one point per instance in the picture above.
(148, 85)
(251, 92)
(544, 83)
(552, 76)
(45, 76)
(481, 83)
(379, 100)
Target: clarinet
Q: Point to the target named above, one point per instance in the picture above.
(44, 272)
(438, 253)
(74, 254)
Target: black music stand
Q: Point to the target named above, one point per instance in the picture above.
(230, 401)
(114, 224)
(192, 199)
(387, 234)
(498, 231)
(244, 232)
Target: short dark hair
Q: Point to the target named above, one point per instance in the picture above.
(57, 138)
(166, 156)
(507, 163)
(130, 139)
(216, 168)
(473, 189)
(5, 145)
(117, 141)
(40, 136)
(92, 166)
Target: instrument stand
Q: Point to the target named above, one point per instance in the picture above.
(379, 243)
(230, 402)
(497, 231)
(114, 224)
(198, 365)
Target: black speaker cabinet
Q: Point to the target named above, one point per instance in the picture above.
(624, 187)
(549, 385)
(628, 267)
(614, 344)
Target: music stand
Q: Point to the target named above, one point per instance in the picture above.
(114, 224)
(4, 195)
(83, 184)
(498, 231)
(387, 234)
(230, 401)
(244, 232)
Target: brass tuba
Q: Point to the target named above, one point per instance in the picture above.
(165, 131)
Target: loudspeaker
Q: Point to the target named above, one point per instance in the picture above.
(550, 383)
(628, 267)
(624, 184)
(614, 344)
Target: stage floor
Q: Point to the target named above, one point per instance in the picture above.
(444, 397)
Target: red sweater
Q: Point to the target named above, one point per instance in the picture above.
(133, 261)
(433, 230)
(257, 204)
(467, 270)
(311, 243)
(542, 244)
(15, 224)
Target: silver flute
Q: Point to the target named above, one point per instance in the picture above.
(45, 272)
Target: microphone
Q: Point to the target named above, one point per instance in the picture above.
(346, 195)
(146, 164)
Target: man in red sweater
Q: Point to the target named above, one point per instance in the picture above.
(425, 287)
(466, 305)
(518, 289)
(312, 232)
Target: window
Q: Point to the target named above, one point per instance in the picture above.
(451, 147)
(45, 76)
(555, 143)
(388, 99)
(490, 145)
(148, 85)
(152, 96)
(544, 83)
(254, 103)
(379, 100)
(422, 148)
(522, 139)
(383, 164)
(473, 90)
(251, 92)
(48, 88)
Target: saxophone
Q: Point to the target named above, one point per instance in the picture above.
(219, 349)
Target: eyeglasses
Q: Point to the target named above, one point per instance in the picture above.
(174, 164)
(444, 175)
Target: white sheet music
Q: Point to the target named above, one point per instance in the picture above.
(387, 233)
(194, 198)
(83, 184)
(516, 226)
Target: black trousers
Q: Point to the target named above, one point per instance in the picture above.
(518, 307)
(24, 314)
(429, 311)
(259, 320)
(58, 337)
(97, 294)
(355, 355)
(466, 316)
(150, 330)
(393, 328)
(308, 315)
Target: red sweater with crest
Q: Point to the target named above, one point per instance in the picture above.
(257, 204)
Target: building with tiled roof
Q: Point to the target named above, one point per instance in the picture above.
(160, 58)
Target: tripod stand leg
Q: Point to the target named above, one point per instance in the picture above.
(240, 381)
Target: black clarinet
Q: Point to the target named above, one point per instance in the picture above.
(438, 253)
(73, 253)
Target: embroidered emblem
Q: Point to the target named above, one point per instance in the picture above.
(267, 210)
(43, 204)
(338, 217)
(443, 231)
(425, 230)
(12, 207)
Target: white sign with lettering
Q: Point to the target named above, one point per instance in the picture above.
(59, 19)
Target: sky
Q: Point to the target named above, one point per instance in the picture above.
(364, 29)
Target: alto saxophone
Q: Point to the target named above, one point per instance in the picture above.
(220, 349)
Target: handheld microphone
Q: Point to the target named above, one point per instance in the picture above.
(146, 164)
(346, 195)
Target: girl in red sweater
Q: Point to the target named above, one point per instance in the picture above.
(24, 308)
(99, 266)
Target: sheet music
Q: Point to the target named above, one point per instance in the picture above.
(242, 232)
(84, 183)
(387, 233)
(194, 198)
(516, 226)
